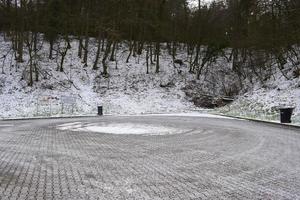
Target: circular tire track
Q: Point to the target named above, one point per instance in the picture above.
(212, 159)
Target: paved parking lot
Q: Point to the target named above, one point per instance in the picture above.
(206, 158)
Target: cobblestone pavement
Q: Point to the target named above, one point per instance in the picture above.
(213, 159)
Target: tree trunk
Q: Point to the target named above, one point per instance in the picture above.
(51, 49)
(151, 54)
(29, 41)
(134, 48)
(147, 59)
(35, 56)
(140, 48)
(86, 41)
(174, 51)
(30, 70)
(107, 51)
(103, 44)
(80, 47)
(157, 57)
(20, 47)
(21, 33)
(130, 51)
(95, 66)
(112, 56)
(63, 54)
(196, 60)
(86, 50)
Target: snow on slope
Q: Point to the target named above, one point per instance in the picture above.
(263, 102)
(129, 90)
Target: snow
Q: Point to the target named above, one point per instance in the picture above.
(135, 128)
(195, 4)
(128, 90)
(6, 125)
(67, 126)
(193, 114)
(263, 102)
(121, 128)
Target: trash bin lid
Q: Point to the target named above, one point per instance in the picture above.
(286, 108)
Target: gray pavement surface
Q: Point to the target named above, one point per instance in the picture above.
(214, 159)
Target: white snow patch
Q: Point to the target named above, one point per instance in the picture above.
(122, 128)
(6, 125)
(195, 114)
(68, 126)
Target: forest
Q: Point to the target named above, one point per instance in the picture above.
(258, 33)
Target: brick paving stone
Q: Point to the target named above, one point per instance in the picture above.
(213, 159)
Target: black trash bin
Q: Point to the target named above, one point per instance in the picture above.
(286, 115)
(100, 110)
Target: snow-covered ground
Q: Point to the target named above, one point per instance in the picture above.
(129, 90)
(135, 128)
(264, 102)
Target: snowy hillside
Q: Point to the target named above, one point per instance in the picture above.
(128, 90)
(264, 101)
